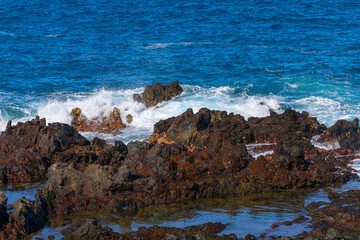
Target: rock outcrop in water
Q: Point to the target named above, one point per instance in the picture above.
(192, 156)
(211, 127)
(27, 217)
(337, 219)
(195, 155)
(345, 132)
(89, 229)
(157, 93)
(111, 124)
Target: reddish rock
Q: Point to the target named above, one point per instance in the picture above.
(188, 157)
(111, 124)
(157, 93)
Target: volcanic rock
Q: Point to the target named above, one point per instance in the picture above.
(111, 124)
(89, 229)
(339, 219)
(26, 149)
(158, 93)
(208, 127)
(4, 217)
(98, 152)
(345, 132)
(26, 218)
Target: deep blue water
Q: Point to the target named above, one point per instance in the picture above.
(228, 55)
(299, 54)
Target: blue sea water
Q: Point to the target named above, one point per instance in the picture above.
(229, 55)
(242, 56)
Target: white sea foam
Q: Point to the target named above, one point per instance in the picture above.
(327, 110)
(52, 35)
(3, 122)
(256, 155)
(101, 103)
(356, 165)
(325, 145)
(291, 85)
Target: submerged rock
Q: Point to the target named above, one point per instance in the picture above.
(158, 93)
(89, 229)
(111, 124)
(339, 219)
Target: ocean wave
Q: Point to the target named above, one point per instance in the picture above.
(101, 102)
(98, 103)
(3, 122)
(326, 109)
(52, 35)
(165, 45)
(7, 34)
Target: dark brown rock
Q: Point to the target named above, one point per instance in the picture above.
(24, 220)
(89, 229)
(339, 219)
(27, 148)
(157, 93)
(4, 217)
(345, 132)
(98, 152)
(209, 127)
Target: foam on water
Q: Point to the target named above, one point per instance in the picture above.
(325, 145)
(101, 102)
(2, 121)
(327, 110)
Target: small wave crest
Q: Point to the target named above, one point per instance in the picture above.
(165, 45)
(7, 34)
(3, 121)
(101, 102)
(326, 109)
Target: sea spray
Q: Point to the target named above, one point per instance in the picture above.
(101, 102)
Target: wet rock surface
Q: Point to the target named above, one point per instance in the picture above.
(111, 124)
(89, 229)
(345, 132)
(339, 219)
(157, 93)
(194, 155)
(26, 218)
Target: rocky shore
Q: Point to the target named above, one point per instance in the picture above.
(194, 155)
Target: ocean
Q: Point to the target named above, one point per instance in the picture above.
(243, 57)
(246, 57)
